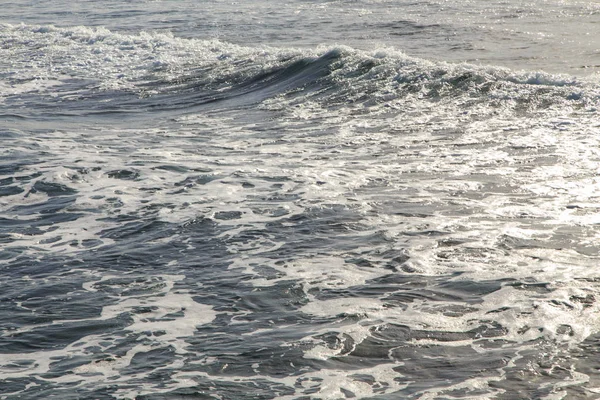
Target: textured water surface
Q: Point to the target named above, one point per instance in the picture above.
(325, 199)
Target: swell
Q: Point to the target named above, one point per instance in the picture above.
(345, 77)
(238, 89)
(99, 72)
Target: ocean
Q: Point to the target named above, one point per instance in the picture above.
(309, 199)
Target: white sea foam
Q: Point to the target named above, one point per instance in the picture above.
(173, 318)
(475, 174)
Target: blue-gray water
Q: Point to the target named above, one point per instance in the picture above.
(303, 200)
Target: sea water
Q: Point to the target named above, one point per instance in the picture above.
(317, 199)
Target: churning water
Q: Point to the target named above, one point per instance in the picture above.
(380, 199)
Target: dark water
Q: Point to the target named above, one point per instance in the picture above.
(195, 203)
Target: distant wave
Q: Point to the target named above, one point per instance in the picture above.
(96, 71)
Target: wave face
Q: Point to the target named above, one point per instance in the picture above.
(182, 217)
